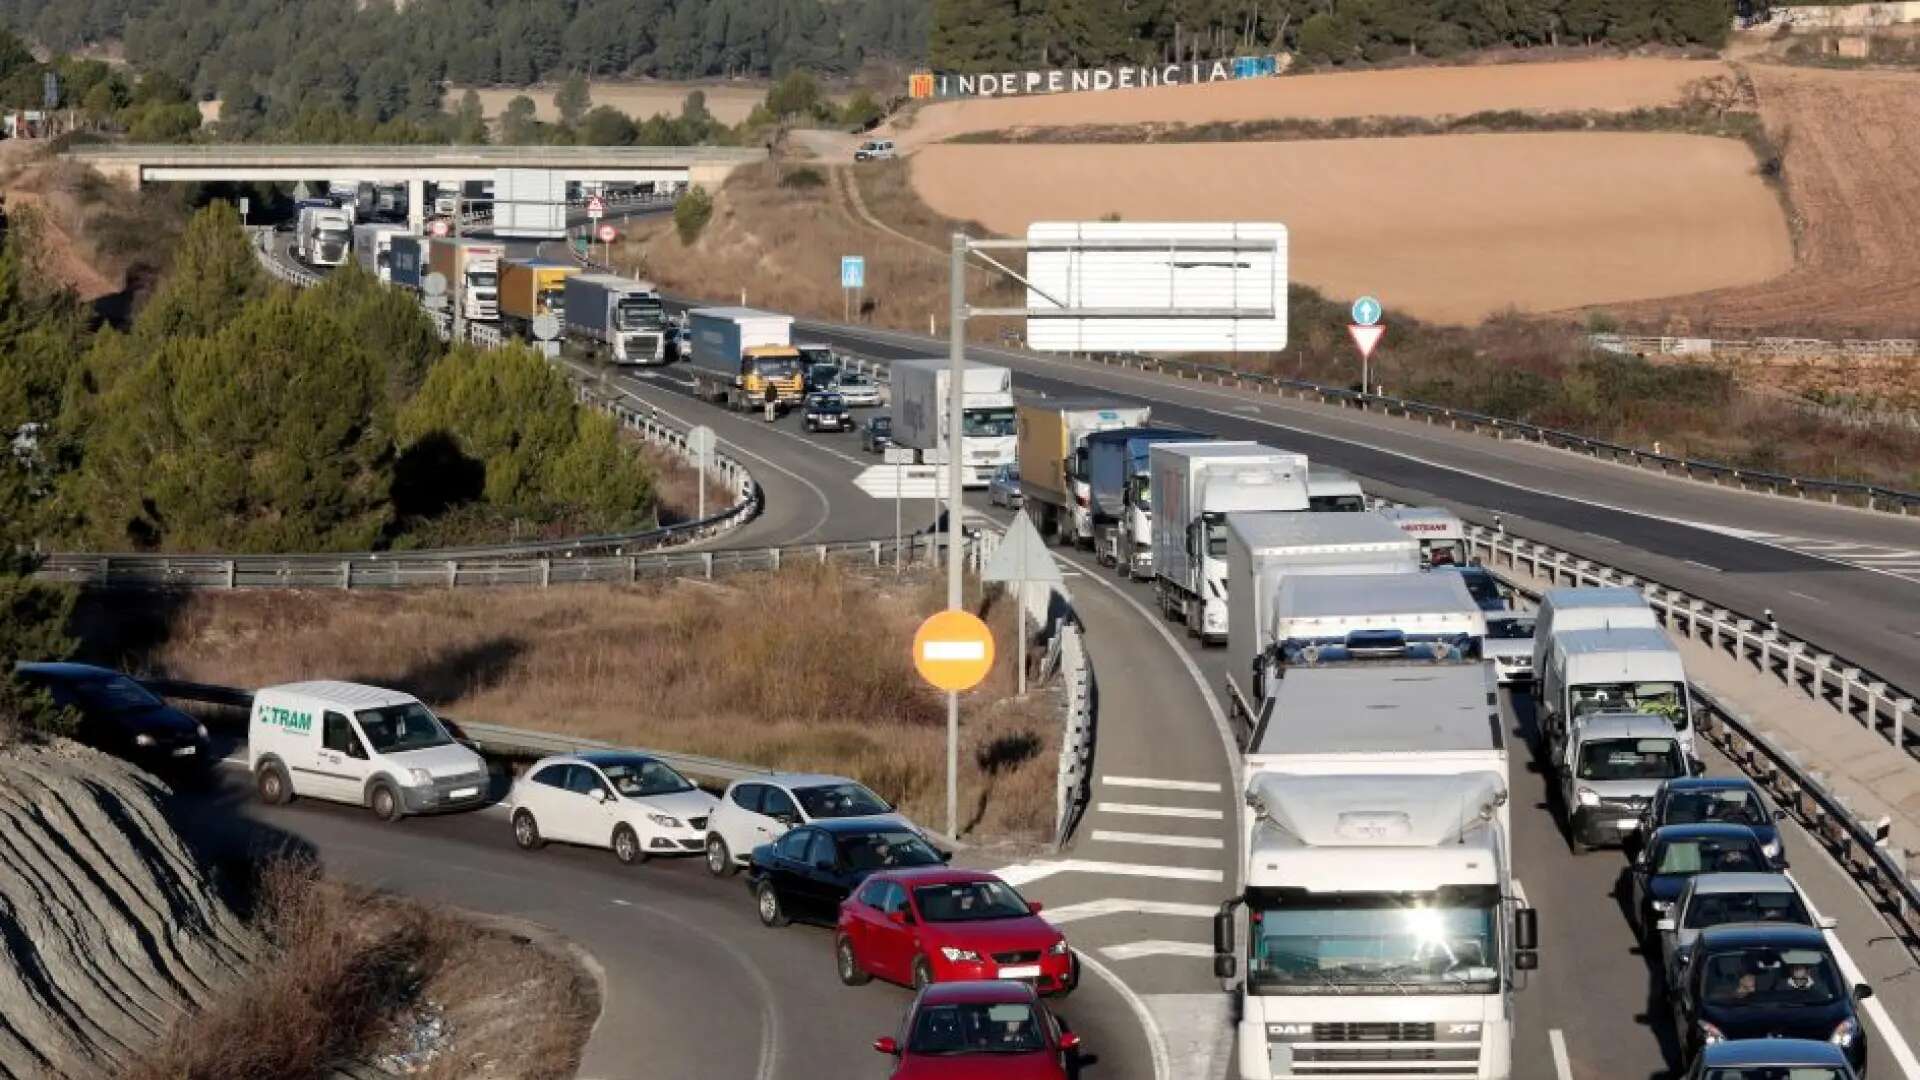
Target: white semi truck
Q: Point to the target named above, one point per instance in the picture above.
(1055, 481)
(1442, 535)
(919, 409)
(323, 236)
(1195, 485)
(1264, 549)
(1380, 919)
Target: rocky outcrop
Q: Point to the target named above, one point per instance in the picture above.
(109, 930)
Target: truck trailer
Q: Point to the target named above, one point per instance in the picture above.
(530, 288)
(1339, 618)
(1054, 481)
(1264, 550)
(745, 358)
(407, 261)
(472, 270)
(1380, 917)
(1194, 487)
(373, 248)
(1120, 483)
(919, 390)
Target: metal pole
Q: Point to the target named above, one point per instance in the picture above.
(899, 477)
(1020, 617)
(956, 406)
(459, 281)
(702, 483)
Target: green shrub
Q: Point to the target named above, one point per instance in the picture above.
(802, 178)
(691, 214)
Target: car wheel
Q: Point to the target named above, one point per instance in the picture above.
(850, 970)
(922, 973)
(719, 859)
(273, 786)
(626, 846)
(767, 902)
(526, 832)
(385, 803)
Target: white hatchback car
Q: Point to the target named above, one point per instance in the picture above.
(760, 810)
(636, 805)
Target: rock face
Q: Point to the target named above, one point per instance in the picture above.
(109, 930)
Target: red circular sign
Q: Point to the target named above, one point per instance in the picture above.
(438, 228)
(607, 233)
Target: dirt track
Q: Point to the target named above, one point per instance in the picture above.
(1606, 84)
(1451, 228)
(1852, 158)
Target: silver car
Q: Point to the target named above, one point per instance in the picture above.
(1613, 767)
(1004, 488)
(1710, 900)
(857, 390)
(1509, 644)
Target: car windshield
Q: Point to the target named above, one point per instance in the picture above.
(1216, 536)
(1651, 698)
(1737, 806)
(113, 694)
(969, 901)
(1770, 978)
(1776, 1072)
(1340, 504)
(1485, 589)
(1308, 943)
(976, 1028)
(828, 402)
(1510, 629)
(1631, 759)
(846, 799)
(886, 849)
(1707, 855)
(1716, 909)
(398, 728)
(881, 425)
(644, 777)
(986, 423)
(855, 380)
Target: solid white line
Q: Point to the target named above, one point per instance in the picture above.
(1703, 566)
(1025, 873)
(1159, 839)
(1874, 1008)
(1561, 1066)
(1147, 810)
(1156, 1042)
(1806, 596)
(1134, 950)
(1160, 785)
(1113, 905)
(1896, 556)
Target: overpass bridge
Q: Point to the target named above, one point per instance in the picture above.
(415, 166)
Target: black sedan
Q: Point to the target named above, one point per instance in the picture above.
(1732, 800)
(1768, 981)
(1678, 852)
(121, 717)
(827, 412)
(809, 870)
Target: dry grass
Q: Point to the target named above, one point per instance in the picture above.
(351, 966)
(806, 669)
(675, 489)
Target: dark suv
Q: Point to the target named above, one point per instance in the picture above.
(121, 717)
(1767, 981)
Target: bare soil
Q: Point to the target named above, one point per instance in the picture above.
(1609, 84)
(1449, 228)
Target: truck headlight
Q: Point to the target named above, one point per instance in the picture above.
(665, 821)
(959, 956)
(1587, 796)
(1844, 1033)
(419, 777)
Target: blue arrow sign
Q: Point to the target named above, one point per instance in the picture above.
(1366, 311)
(853, 271)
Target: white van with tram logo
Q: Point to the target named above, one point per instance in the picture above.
(349, 743)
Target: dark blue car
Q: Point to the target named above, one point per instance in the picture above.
(1675, 853)
(1767, 981)
(1731, 800)
(807, 872)
(123, 718)
(1798, 1059)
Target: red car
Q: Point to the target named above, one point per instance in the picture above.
(980, 1031)
(939, 924)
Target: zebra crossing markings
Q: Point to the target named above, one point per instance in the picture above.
(1116, 905)
(1159, 839)
(1025, 873)
(1152, 810)
(1134, 950)
(1156, 784)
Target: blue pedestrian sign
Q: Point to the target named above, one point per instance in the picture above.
(1366, 311)
(853, 271)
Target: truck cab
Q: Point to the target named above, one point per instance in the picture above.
(1195, 487)
(1331, 490)
(1442, 535)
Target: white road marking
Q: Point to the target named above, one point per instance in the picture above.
(1806, 596)
(1115, 905)
(1150, 810)
(1160, 785)
(1134, 950)
(1159, 839)
(1026, 873)
(1876, 1010)
(623, 903)
(1156, 1042)
(1561, 1066)
(1703, 566)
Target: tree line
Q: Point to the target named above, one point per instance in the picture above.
(1002, 35)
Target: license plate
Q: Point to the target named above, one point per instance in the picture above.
(1627, 823)
(185, 751)
(1021, 971)
(463, 793)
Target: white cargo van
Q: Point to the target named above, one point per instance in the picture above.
(359, 744)
(1613, 671)
(1613, 607)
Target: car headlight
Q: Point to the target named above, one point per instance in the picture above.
(665, 821)
(959, 956)
(143, 740)
(1662, 906)
(1059, 947)
(1844, 1033)
(1587, 797)
(420, 777)
(1771, 849)
(1710, 1034)
(201, 730)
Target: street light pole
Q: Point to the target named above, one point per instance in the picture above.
(956, 405)
(459, 282)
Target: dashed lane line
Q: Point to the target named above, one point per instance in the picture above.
(1561, 1066)
(1875, 1009)
(1160, 839)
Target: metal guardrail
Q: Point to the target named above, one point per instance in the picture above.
(1075, 781)
(1758, 348)
(1862, 847)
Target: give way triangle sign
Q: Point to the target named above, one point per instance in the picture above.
(1366, 338)
(1022, 555)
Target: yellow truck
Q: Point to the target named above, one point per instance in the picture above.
(530, 288)
(739, 354)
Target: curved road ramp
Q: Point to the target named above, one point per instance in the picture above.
(108, 928)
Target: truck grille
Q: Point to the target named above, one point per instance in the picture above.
(1450, 1054)
(1372, 1032)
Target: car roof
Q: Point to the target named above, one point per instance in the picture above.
(1769, 935)
(1625, 726)
(608, 757)
(795, 779)
(1711, 783)
(912, 876)
(1701, 830)
(352, 695)
(977, 992)
(1711, 884)
(864, 824)
(1772, 1052)
(59, 669)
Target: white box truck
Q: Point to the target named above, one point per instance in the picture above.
(373, 248)
(1442, 535)
(1331, 490)
(1634, 670)
(1380, 921)
(1263, 549)
(919, 410)
(1054, 469)
(1339, 618)
(1194, 487)
(530, 203)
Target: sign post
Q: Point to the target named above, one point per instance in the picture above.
(607, 235)
(1366, 331)
(700, 440)
(1022, 558)
(853, 278)
(899, 457)
(953, 650)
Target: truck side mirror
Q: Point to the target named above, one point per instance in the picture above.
(1223, 935)
(1526, 930)
(1526, 960)
(1223, 966)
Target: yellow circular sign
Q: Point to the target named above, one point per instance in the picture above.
(953, 650)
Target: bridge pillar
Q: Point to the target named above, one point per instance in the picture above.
(416, 206)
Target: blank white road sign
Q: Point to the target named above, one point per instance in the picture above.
(1184, 274)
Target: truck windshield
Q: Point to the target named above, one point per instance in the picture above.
(1385, 943)
(777, 367)
(1666, 699)
(396, 729)
(1339, 504)
(639, 311)
(335, 236)
(483, 279)
(554, 300)
(1216, 535)
(986, 423)
(1443, 552)
(1631, 759)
